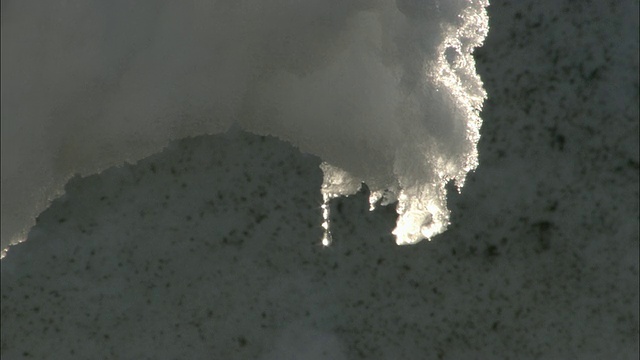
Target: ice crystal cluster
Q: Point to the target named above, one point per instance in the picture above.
(384, 92)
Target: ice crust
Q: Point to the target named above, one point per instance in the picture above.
(384, 92)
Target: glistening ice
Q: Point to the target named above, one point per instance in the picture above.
(385, 92)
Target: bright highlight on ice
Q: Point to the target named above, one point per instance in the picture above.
(432, 134)
(384, 92)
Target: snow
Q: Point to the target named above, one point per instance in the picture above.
(384, 92)
(210, 248)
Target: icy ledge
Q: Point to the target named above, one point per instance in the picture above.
(385, 92)
(438, 123)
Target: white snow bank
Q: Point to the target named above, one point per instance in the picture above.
(385, 92)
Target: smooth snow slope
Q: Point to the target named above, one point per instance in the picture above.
(210, 249)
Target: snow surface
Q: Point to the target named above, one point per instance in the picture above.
(384, 92)
(210, 248)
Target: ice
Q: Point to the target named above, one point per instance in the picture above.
(385, 92)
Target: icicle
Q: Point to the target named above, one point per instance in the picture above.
(326, 238)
